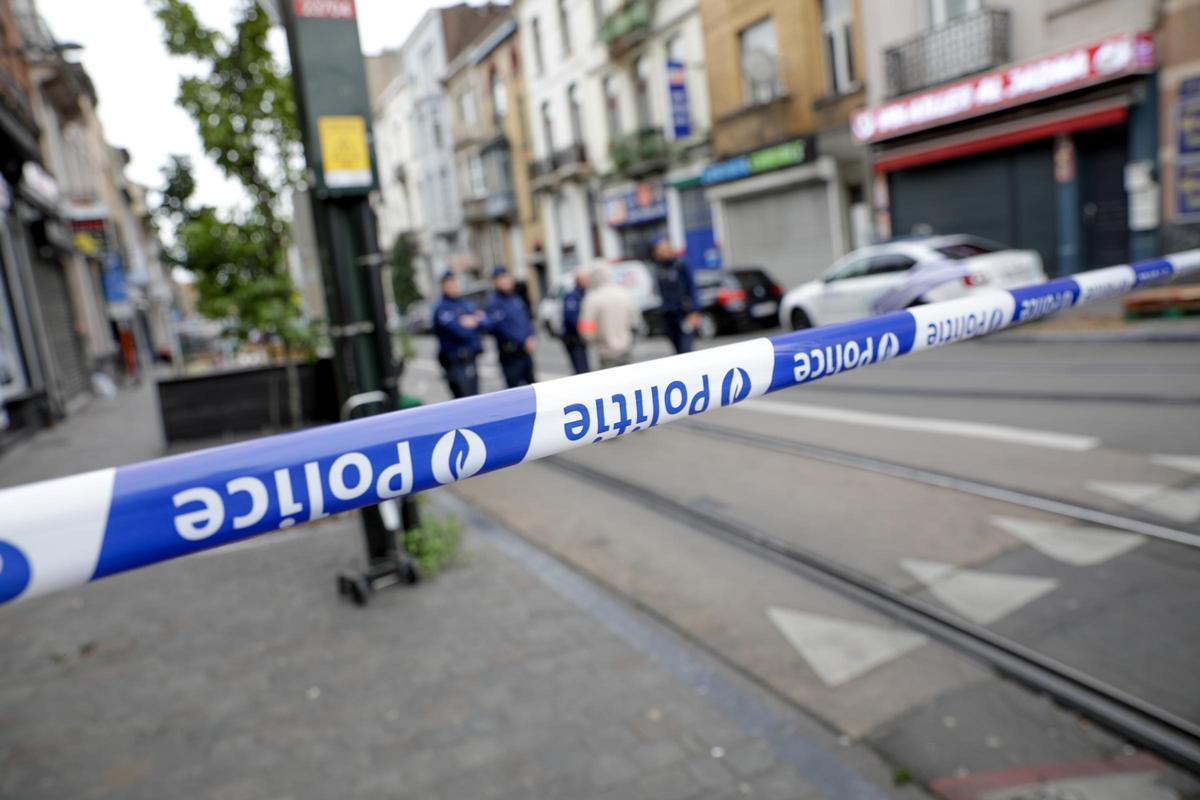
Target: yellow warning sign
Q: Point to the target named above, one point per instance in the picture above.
(345, 157)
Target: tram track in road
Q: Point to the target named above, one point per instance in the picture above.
(943, 480)
(1156, 729)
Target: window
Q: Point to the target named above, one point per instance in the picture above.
(576, 113)
(943, 11)
(761, 81)
(547, 128)
(641, 74)
(499, 96)
(478, 186)
(535, 30)
(883, 265)
(564, 27)
(612, 106)
(839, 48)
(466, 108)
(855, 268)
(435, 120)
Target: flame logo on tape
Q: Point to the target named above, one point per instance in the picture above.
(14, 572)
(457, 455)
(735, 387)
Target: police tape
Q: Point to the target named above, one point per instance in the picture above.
(65, 532)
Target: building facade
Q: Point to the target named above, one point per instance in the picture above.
(422, 169)
(1031, 122)
(1179, 124)
(788, 183)
(493, 154)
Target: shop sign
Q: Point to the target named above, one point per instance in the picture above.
(681, 117)
(89, 236)
(645, 202)
(1189, 117)
(1187, 192)
(1106, 60)
(324, 9)
(788, 154)
(39, 184)
(113, 280)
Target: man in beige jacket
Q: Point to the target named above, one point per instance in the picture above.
(608, 318)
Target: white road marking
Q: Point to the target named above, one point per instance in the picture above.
(1183, 463)
(1181, 505)
(839, 650)
(1072, 544)
(952, 427)
(982, 597)
(1142, 785)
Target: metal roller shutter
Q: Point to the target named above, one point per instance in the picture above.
(786, 232)
(1007, 196)
(70, 363)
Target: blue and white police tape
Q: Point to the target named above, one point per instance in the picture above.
(68, 531)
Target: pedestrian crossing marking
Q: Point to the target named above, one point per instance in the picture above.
(1183, 463)
(839, 650)
(1080, 546)
(982, 597)
(1181, 505)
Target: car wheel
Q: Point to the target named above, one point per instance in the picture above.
(800, 320)
(707, 329)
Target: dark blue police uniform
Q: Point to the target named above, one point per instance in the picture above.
(508, 320)
(458, 345)
(677, 288)
(576, 348)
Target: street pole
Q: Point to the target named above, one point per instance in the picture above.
(335, 123)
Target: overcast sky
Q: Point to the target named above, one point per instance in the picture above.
(137, 80)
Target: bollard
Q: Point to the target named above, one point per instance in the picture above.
(65, 532)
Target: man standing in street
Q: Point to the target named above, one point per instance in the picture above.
(456, 323)
(576, 347)
(677, 288)
(609, 318)
(508, 320)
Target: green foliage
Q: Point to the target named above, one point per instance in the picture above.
(434, 543)
(246, 117)
(404, 271)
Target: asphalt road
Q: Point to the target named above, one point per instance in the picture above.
(1110, 428)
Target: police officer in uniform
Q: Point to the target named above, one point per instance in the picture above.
(680, 300)
(508, 321)
(572, 340)
(457, 324)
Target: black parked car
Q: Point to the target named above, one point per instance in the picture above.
(738, 299)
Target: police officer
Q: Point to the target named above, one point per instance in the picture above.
(677, 288)
(508, 321)
(572, 340)
(457, 324)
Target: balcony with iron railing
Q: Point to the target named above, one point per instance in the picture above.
(635, 154)
(628, 26)
(971, 43)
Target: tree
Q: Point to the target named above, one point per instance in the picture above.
(245, 114)
(404, 271)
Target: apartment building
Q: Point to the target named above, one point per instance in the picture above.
(493, 152)
(787, 182)
(1031, 122)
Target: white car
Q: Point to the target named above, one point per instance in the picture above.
(636, 276)
(905, 273)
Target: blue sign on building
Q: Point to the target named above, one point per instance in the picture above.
(113, 279)
(681, 116)
(646, 202)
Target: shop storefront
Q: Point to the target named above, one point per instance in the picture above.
(638, 216)
(778, 208)
(1057, 154)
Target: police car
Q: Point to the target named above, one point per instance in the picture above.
(904, 273)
